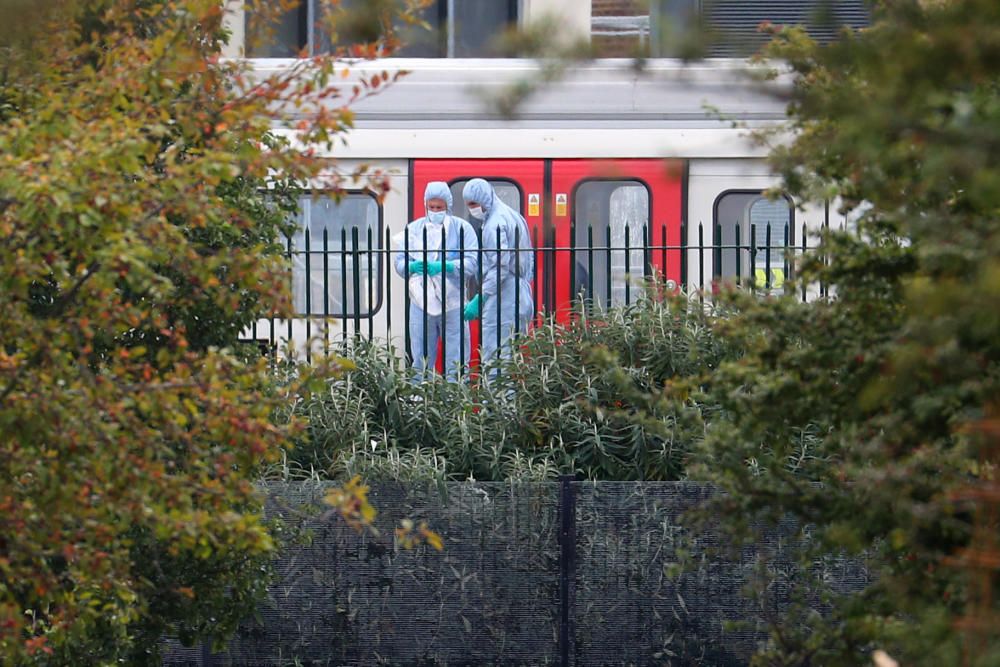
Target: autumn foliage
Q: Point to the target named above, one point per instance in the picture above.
(137, 241)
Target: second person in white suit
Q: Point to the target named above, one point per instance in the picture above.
(508, 266)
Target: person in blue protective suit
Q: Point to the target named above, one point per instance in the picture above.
(508, 266)
(435, 254)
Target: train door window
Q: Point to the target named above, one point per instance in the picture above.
(611, 221)
(752, 234)
(336, 266)
(508, 192)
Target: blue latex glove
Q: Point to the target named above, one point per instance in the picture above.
(416, 266)
(434, 268)
(451, 266)
(471, 311)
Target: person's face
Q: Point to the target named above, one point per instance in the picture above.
(476, 210)
(436, 205)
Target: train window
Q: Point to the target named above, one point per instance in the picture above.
(508, 192)
(751, 236)
(614, 217)
(336, 266)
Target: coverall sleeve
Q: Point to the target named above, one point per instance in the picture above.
(400, 263)
(470, 258)
(401, 260)
(493, 255)
(526, 252)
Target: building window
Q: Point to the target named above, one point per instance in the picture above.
(283, 39)
(619, 28)
(336, 266)
(476, 25)
(611, 221)
(752, 235)
(458, 29)
(712, 28)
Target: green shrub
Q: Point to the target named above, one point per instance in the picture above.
(600, 397)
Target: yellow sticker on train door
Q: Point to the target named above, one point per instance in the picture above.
(561, 203)
(533, 204)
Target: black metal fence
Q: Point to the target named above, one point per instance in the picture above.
(560, 573)
(351, 285)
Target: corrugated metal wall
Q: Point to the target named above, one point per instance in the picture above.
(737, 21)
(628, 27)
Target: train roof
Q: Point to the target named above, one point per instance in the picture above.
(662, 93)
(596, 109)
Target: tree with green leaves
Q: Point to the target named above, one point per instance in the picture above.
(867, 416)
(140, 219)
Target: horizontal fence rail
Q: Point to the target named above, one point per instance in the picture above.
(354, 284)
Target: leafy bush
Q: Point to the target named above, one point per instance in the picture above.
(137, 243)
(574, 399)
(901, 371)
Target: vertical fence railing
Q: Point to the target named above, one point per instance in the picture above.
(567, 566)
(357, 286)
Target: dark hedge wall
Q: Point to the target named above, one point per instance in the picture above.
(493, 596)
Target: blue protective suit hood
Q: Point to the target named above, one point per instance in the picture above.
(481, 192)
(438, 190)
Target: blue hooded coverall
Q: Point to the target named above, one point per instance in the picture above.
(458, 254)
(507, 306)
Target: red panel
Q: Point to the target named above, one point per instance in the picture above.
(554, 292)
(527, 174)
(664, 180)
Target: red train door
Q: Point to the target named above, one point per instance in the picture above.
(614, 222)
(519, 183)
(598, 226)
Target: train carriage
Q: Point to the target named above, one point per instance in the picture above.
(620, 173)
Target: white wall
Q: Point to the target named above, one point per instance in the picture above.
(573, 16)
(234, 20)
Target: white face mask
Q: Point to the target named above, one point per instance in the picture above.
(436, 217)
(477, 212)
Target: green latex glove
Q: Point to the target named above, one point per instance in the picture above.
(416, 266)
(471, 311)
(451, 266)
(433, 268)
